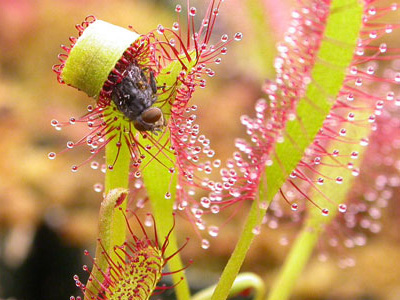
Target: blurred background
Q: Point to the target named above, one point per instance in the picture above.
(48, 214)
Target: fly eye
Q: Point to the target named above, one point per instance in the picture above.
(151, 115)
(139, 126)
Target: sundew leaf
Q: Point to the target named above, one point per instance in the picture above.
(334, 57)
(95, 54)
(90, 61)
(159, 180)
(106, 227)
(97, 50)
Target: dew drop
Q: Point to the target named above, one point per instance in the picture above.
(148, 221)
(98, 187)
(256, 230)
(138, 174)
(51, 155)
(70, 145)
(379, 104)
(167, 195)
(355, 172)
(238, 36)
(213, 231)
(372, 11)
(360, 51)
(200, 224)
(178, 8)
(210, 153)
(339, 180)
(140, 203)
(370, 70)
(224, 38)
(205, 244)
(74, 168)
(354, 155)
(397, 78)
(342, 208)
(350, 97)
(202, 83)
(371, 119)
(94, 165)
(54, 122)
(160, 29)
(294, 206)
(215, 209)
(192, 11)
(216, 163)
(198, 213)
(234, 192)
(364, 142)
(325, 212)
(382, 48)
(390, 96)
(205, 202)
(284, 241)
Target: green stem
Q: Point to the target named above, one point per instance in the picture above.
(112, 223)
(164, 219)
(232, 268)
(158, 180)
(242, 283)
(295, 262)
(118, 177)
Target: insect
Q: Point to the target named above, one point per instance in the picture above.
(134, 97)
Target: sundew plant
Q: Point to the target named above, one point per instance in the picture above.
(332, 104)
